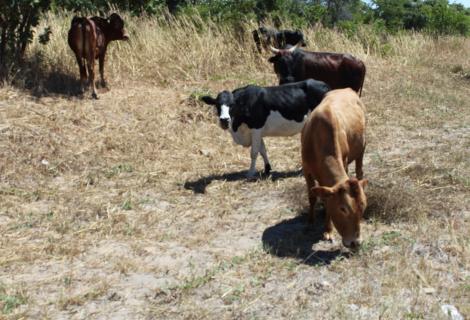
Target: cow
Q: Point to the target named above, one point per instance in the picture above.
(251, 113)
(89, 38)
(333, 137)
(265, 37)
(338, 70)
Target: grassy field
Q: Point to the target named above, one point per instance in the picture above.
(135, 206)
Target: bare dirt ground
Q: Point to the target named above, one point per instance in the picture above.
(135, 206)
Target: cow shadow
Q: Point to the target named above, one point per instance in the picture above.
(57, 83)
(295, 237)
(42, 80)
(200, 185)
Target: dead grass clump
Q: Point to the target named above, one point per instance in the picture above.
(395, 201)
(460, 72)
(68, 300)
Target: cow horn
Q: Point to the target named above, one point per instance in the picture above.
(290, 50)
(274, 50)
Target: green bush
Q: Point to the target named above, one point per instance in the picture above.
(17, 20)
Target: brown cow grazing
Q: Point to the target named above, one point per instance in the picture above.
(89, 38)
(333, 137)
(337, 70)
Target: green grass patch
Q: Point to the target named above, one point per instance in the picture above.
(118, 169)
(10, 301)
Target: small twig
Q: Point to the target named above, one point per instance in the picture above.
(227, 292)
(251, 303)
(420, 276)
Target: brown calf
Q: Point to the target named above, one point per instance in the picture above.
(89, 38)
(333, 137)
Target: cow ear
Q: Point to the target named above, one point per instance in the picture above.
(209, 100)
(272, 59)
(323, 192)
(116, 21)
(363, 183)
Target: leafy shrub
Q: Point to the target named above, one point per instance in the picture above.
(17, 20)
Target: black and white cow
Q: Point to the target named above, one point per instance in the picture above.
(253, 112)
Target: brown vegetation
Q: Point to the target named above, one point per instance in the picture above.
(134, 205)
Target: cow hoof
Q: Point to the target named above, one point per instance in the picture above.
(251, 176)
(267, 169)
(94, 96)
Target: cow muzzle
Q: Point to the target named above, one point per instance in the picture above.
(224, 123)
(124, 35)
(352, 244)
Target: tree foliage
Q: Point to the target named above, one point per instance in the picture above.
(17, 20)
(434, 16)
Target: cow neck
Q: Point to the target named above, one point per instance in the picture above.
(334, 172)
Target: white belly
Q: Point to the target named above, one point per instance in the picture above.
(277, 125)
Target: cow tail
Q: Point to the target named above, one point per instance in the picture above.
(363, 79)
(86, 43)
(83, 30)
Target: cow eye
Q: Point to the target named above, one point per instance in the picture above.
(343, 210)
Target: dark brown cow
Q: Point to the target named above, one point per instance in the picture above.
(334, 136)
(337, 70)
(89, 38)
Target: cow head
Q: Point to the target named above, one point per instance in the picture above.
(283, 62)
(117, 27)
(300, 38)
(345, 204)
(223, 103)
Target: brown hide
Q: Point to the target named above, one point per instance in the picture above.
(333, 137)
(338, 70)
(89, 38)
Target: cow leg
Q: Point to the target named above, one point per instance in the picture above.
(256, 142)
(101, 63)
(83, 75)
(267, 166)
(91, 76)
(328, 234)
(359, 172)
(312, 199)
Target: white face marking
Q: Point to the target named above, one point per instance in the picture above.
(224, 112)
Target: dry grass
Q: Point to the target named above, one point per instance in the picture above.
(135, 205)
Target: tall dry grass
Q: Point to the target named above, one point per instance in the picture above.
(164, 50)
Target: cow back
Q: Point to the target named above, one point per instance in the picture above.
(293, 101)
(337, 70)
(82, 37)
(335, 130)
